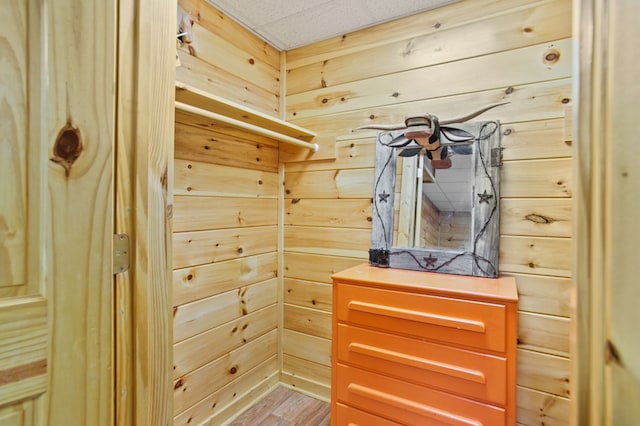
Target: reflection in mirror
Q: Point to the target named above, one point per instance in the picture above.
(435, 204)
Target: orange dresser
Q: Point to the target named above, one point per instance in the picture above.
(421, 348)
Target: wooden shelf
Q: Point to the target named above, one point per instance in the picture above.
(196, 101)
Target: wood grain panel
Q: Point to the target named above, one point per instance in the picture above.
(434, 21)
(308, 294)
(14, 105)
(196, 178)
(534, 140)
(544, 372)
(537, 178)
(351, 152)
(195, 213)
(497, 33)
(335, 213)
(207, 314)
(200, 247)
(217, 23)
(200, 141)
(306, 369)
(544, 295)
(310, 387)
(13, 291)
(346, 242)
(312, 322)
(189, 354)
(543, 217)
(225, 403)
(544, 333)
(219, 51)
(350, 183)
(536, 101)
(191, 388)
(195, 283)
(229, 131)
(315, 267)
(23, 413)
(537, 408)
(307, 347)
(510, 68)
(23, 349)
(198, 73)
(535, 255)
(76, 95)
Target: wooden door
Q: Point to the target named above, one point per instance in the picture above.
(57, 97)
(606, 371)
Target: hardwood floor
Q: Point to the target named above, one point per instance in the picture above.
(286, 407)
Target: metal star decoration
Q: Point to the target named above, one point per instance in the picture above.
(430, 261)
(484, 197)
(383, 197)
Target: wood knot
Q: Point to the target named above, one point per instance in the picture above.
(612, 355)
(68, 147)
(538, 218)
(551, 56)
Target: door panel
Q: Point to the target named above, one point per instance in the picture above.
(57, 97)
(23, 304)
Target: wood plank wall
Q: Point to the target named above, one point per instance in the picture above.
(448, 61)
(225, 259)
(228, 60)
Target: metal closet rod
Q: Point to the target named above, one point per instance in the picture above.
(246, 126)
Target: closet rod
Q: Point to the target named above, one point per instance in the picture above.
(246, 126)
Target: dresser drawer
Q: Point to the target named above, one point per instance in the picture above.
(460, 371)
(458, 321)
(409, 403)
(348, 416)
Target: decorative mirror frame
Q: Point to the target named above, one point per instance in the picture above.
(482, 259)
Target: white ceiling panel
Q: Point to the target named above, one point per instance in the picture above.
(287, 24)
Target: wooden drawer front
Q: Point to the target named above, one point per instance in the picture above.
(348, 416)
(456, 370)
(409, 403)
(462, 322)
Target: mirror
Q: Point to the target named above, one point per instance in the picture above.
(438, 219)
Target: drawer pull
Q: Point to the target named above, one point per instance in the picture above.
(423, 317)
(418, 362)
(413, 406)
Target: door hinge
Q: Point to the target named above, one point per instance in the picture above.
(120, 253)
(496, 157)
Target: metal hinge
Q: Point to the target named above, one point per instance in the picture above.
(496, 157)
(120, 253)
